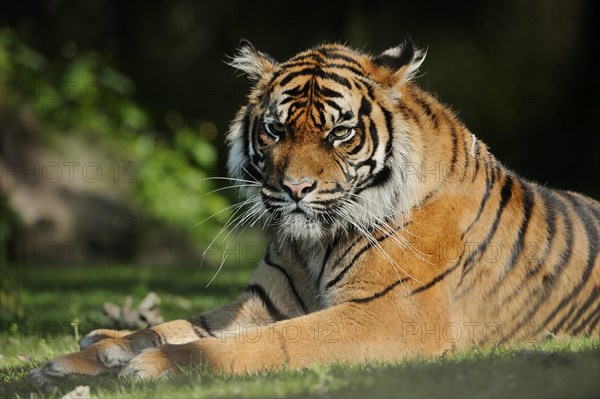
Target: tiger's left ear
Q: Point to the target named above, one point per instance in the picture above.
(399, 64)
(252, 63)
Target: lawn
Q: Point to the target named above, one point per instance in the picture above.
(51, 298)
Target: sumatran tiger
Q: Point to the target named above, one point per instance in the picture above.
(394, 229)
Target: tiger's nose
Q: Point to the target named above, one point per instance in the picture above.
(298, 189)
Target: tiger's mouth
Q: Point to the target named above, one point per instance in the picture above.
(303, 217)
(298, 209)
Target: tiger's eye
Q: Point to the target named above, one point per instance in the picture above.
(341, 132)
(275, 129)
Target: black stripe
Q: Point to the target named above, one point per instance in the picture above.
(290, 282)
(594, 323)
(374, 138)
(329, 93)
(287, 100)
(517, 247)
(408, 113)
(326, 203)
(335, 54)
(348, 68)
(547, 284)
(160, 340)
(333, 105)
(581, 205)
(466, 163)
(547, 200)
(364, 112)
(427, 197)
(335, 190)
(587, 321)
(550, 206)
(303, 57)
(345, 270)
(490, 182)
(298, 91)
(505, 195)
(390, 128)
(384, 175)
(259, 291)
(328, 253)
(592, 254)
(342, 255)
(380, 293)
(439, 277)
(595, 208)
(206, 327)
(477, 160)
(365, 85)
(316, 72)
(246, 130)
(424, 105)
(582, 309)
(381, 177)
(199, 331)
(454, 143)
(320, 63)
(362, 138)
(554, 330)
(365, 108)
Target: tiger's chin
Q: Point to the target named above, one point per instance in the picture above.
(300, 227)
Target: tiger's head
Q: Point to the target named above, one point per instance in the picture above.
(319, 144)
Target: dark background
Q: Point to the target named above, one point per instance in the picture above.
(523, 75)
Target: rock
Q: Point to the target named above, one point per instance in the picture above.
(147, 313)
(80, 392)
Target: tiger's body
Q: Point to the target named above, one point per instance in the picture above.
(395, 232)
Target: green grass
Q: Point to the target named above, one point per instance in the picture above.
(50, 298)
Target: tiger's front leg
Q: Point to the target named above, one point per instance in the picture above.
(106, 352)
(351, 332)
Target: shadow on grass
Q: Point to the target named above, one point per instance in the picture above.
(513, 374)
(16, 383)
(496, 374)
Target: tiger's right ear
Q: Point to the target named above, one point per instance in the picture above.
(399, 64)
(252, 63)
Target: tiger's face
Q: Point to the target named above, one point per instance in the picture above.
(319, 143)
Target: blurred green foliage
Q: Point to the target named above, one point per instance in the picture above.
(84, 95)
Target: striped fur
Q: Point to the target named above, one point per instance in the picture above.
(394, 231)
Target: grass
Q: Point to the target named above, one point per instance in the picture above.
(50, 298)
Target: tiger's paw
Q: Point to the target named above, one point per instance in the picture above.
(154, 363)
(105, 357)
(61, 369)
(149, 365)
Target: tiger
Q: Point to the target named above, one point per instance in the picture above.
(394, 232)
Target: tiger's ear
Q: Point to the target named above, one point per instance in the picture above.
(252, 63)
(399, 64)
